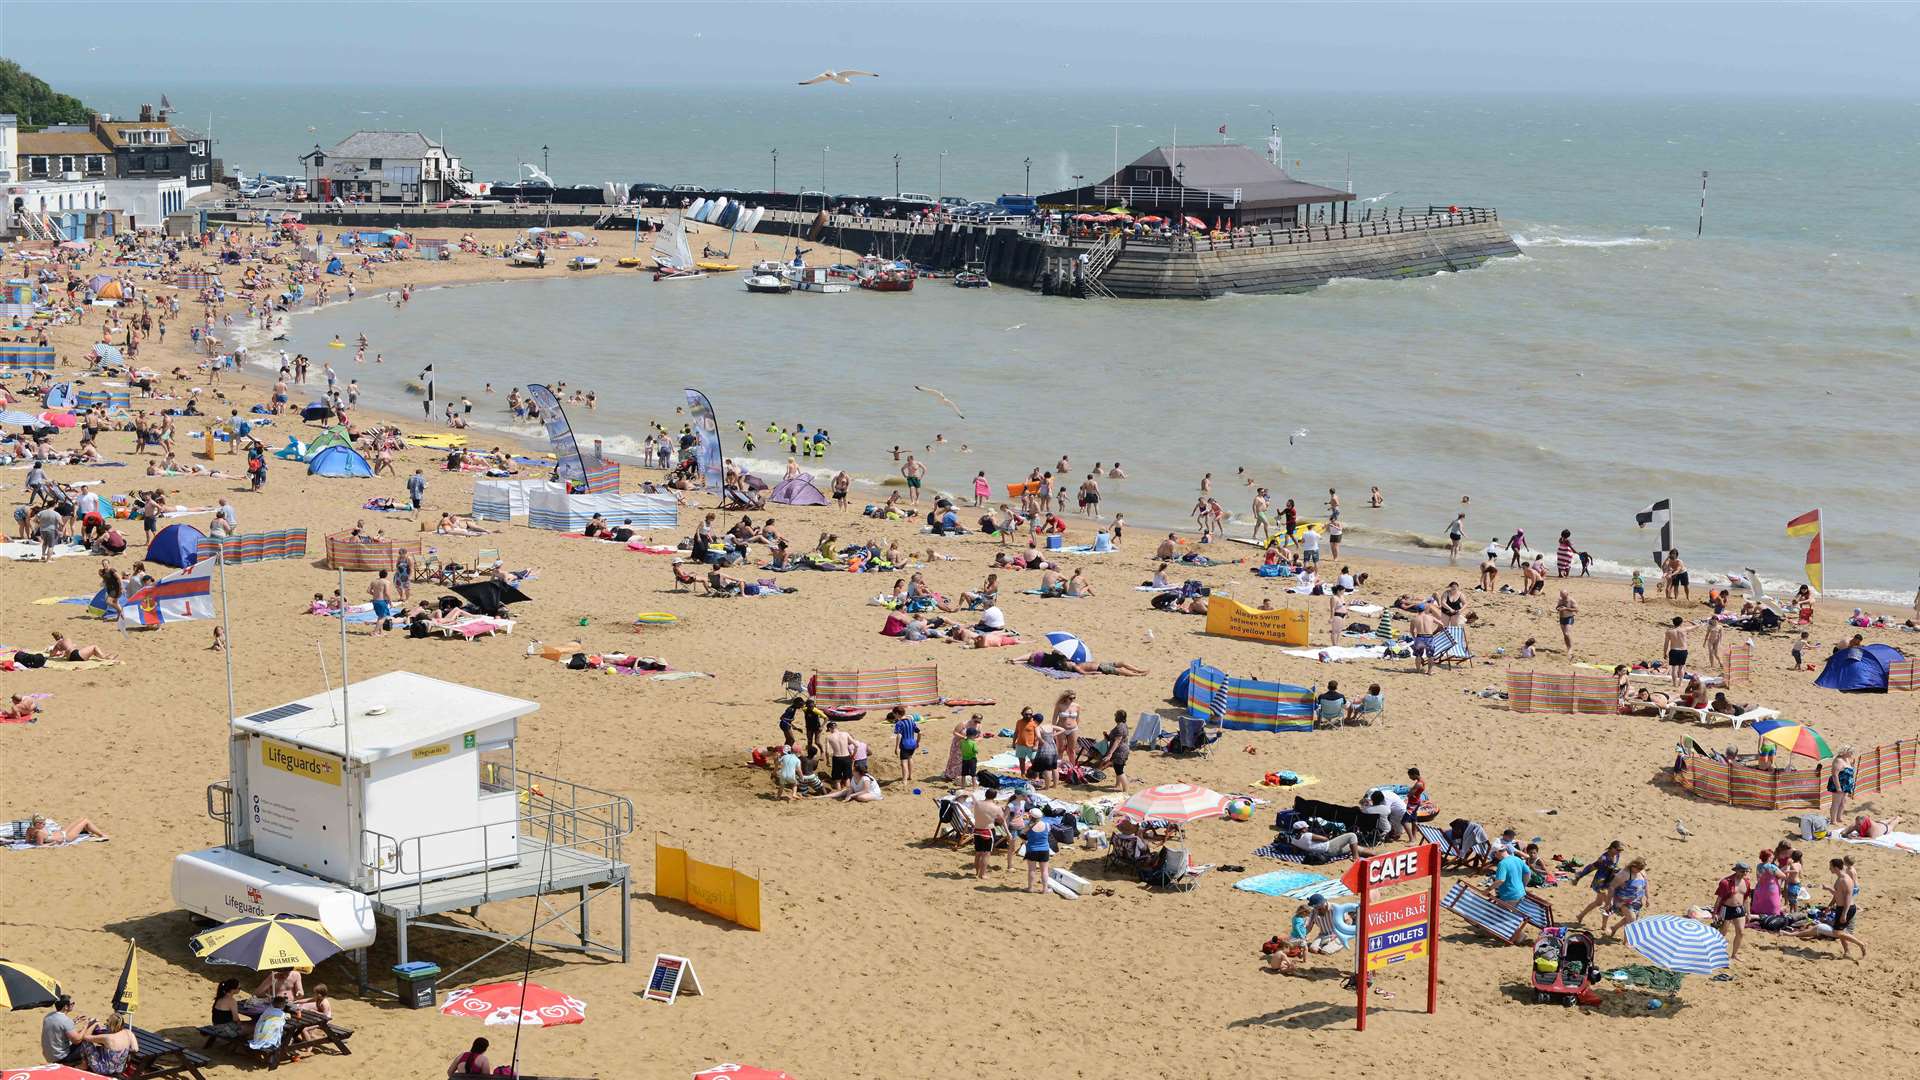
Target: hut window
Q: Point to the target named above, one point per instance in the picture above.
(496, 768)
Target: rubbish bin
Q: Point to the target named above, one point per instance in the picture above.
(416, 983)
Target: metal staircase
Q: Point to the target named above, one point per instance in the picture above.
(1099, 257)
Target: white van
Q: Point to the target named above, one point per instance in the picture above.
(915, 197)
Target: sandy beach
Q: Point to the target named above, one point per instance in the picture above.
(882, 956)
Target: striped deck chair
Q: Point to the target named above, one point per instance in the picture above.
(1481, 913)
(1434, 834)
(1450, 646)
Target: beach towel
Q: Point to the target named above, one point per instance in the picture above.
(1898, 841)
(1052, 673)
(1293, 884)
(1340, 653)
(28, 551)
(1281, 851)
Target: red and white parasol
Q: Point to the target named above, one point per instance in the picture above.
(1174, 802)
(500, 1003)
(740, 1072)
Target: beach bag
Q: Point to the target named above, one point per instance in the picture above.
(895, 626)
(30, 659)
(988, 780)
(577, 662)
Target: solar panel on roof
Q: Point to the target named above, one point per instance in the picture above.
(279, 712)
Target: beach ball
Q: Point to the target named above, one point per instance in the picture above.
(1240, 810)
(1069, 646)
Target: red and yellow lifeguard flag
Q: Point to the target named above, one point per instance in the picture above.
(1808, 524)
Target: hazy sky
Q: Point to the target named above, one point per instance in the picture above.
(1773, 49)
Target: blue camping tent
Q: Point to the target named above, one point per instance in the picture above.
(1861, 670)
(334, 267)
(176, 545)
(339, 461)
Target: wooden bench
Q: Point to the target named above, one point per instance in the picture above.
(237, 1038)
(158, 1056)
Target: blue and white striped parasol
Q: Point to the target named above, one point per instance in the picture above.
(1069, 646)
(1679, 944)
(19, 418)
(108, 353)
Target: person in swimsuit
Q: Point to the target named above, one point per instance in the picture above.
(1730, 902)
(1603, 869)
(1676, 642)
(1566, 609)
(987, 816)
(1675, 573)
(1837, 922)
(1628, 897)
(1423, 626)
(1039, 850)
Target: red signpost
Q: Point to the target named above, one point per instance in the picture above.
(1395, 929)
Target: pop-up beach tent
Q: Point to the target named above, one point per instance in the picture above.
(1861, 670)
(176, 545)
(338, 461)
(799, 491)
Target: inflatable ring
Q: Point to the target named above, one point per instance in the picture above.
(655, 618)
(845, 712)
(1346, 922)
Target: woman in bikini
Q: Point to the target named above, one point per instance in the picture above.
(63, 648)
(42, 833)
(1066, 716)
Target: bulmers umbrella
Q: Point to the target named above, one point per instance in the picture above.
(266, 943)
(22, 987)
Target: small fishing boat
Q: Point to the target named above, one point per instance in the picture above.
(529, 257)
(668, 273)
(584, 262)
(973, 277)
(768, 283)
(819, 279)
(889, 281)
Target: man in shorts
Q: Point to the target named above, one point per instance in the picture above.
(915, 471)
(1423, 626)
(1676, 643)
(840, 751)
(988, 815)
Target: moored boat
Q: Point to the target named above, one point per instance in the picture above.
(768, 283)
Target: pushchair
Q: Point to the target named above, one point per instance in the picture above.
(1563, 966)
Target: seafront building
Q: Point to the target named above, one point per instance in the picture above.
(74, 181)
(1219, 187)
(404, 167)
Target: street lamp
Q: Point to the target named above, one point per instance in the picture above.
(1078, 179)
(1027, 188)
(940, 181)
(1180, 173)
(776, 168)
(896, 176)
(543, 162)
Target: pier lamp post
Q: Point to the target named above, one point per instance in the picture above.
(543, 161)
(940, 180)
(776, 168)
(1078, 179)
(1027, 188)
(896, 176)
(1180, 178)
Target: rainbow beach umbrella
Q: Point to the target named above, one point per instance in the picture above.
(266, 943)
(1179, 803)
(1794, 737)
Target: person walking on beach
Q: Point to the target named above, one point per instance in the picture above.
(1566, 609)
(1840, 785)
(1260, 505)
(916, 472)
(1604, 869)
(417, 491)
(1676, 643)
(1730, 901)
(1516, 545)
(1564, 555)
(1455, 533)
(988, 817)
(1675, 573)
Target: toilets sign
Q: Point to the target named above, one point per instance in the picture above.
(1398, 927)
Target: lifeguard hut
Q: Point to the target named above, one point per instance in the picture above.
(401, 796)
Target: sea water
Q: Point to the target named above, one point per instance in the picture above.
(1765, 369)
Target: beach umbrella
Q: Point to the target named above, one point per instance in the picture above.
(1152, 219)
(126, 992)
(1195, 222)
(19, 418)
(1069, 646)
(266, 943)
(1174, 802)
(490, 596)
(739, 1072)
(1678, 944)
(1793, 736)
(22, 987)
(58, 419)
(1085, 217)
(108, 353)
(47, 1072)
(504, 1003)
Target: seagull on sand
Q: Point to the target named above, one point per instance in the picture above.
(944, 400)
(844, 78)
(1681, 828)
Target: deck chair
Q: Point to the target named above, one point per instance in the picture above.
(1193, 737)
(1146, 732)
(1450, 646)
(1434, 834)
(1483, 914)
(688, 582)
(1177, 874)
(486, 557)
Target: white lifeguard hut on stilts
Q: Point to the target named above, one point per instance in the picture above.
(401, 796)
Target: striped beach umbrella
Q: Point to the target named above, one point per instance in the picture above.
(19, 418)
(1174, 802)
(1680, 944)
(108, 353)
(22, 987)
(266, 943)
(1069, 646)
(1793, 736)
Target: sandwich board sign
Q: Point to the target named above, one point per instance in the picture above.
(671, 975)
(1395, 929)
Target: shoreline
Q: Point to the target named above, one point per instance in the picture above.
(1422, 551)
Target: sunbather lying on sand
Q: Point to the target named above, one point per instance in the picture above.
(1047, 658)
(451, 525)
(43, 833)
(63, 648)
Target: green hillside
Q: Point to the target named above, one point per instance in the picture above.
(34, 102)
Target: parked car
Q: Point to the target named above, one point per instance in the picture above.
(915, 198)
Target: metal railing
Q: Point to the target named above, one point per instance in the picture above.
(550, 812)
(1154, 195)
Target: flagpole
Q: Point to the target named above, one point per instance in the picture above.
(226, 628)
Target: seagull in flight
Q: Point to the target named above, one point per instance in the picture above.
(944, 400)
(1301, 434)
(1377, 198)
(844, 78)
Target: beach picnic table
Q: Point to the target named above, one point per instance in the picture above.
(237, 1037)
(158, 1056)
